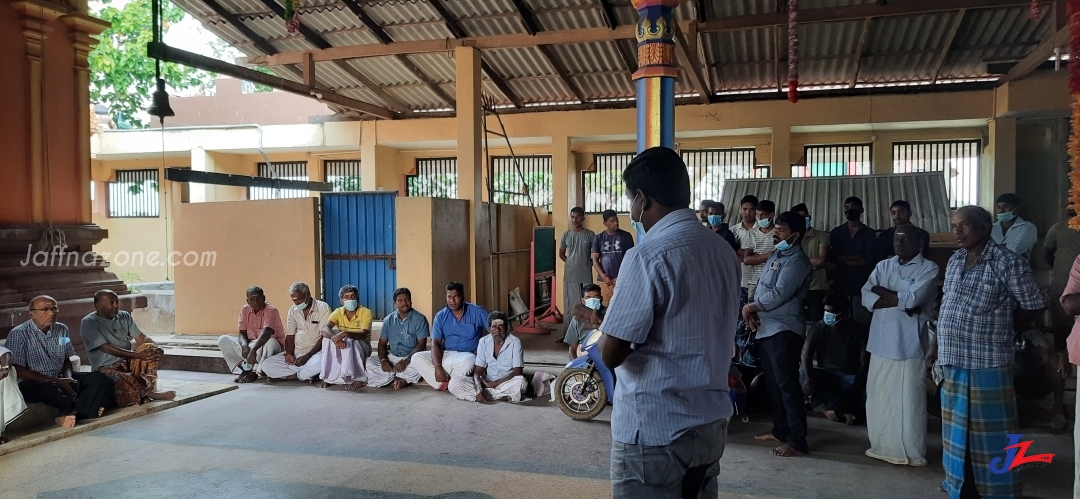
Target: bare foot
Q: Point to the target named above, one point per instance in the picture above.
(400, 383)
(322, 384)
(170, 395)
(481, 398)
(785, 451)
(766, 436)
(66, 421)
(247, 377)
(356, 385)
(849, 419)
(3, 440)
(832, 416)
(100, 411)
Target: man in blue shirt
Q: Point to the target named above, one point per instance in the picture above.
(669, 332)
(456, 331)
(404, 334)
(776, 313)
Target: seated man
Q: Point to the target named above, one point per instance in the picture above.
(346, 343)
(302, 358)
(261, 337)
(404, 333)
(108, 334)
(499, 364)
(838, 343)
(11, 401)
(576, 331)
(455, 332)
(41, 354)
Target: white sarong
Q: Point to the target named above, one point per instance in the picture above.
(458, 365)
(234, 353)
(378, 378)
(276, 367)
(343, 366)
(11, 399)
(896, 410)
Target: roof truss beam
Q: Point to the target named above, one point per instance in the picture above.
(533, 27)
(454, 26)
(689, 62)
(947, 45)
(859, 49)
(1037, 57)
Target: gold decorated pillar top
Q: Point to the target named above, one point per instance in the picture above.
(656, 39)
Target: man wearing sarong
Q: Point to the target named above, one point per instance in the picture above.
(41, 353)
(346, 342)
(107, 334)
(11, 400)
(901, 292)
(499, 365)
(303, 356)
(984, 285)
(404, 333)
(455, 333)
(260, 337)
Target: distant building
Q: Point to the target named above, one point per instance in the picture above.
(236, 102)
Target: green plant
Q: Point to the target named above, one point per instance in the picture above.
(132, 277)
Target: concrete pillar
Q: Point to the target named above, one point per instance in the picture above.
(81, 27)
(781, 151)
(881, 157)
(201, 161)
(563, 171)
(999, 175)
(656, 74)
(378, 164)
(470, 157)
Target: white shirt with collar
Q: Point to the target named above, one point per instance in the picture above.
(1020, 238)
(893, 333)
(306, 329)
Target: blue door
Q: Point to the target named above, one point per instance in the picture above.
(358, 235)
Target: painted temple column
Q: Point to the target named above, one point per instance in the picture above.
(656, 73)
(81, 28)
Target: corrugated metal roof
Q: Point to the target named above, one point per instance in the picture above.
(825, 197)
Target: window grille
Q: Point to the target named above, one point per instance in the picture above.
(134, 194)
(507, 182)
(603, 186)
(344, 175)
(835, 161)
(286, 170)
(709, 168)
(435, 177)
(957, 159)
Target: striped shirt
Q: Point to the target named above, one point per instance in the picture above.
(975, 324)
(676, 301)
(39, 351)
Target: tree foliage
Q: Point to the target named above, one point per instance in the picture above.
(121, 74)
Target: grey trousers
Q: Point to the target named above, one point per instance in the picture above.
(686, 468)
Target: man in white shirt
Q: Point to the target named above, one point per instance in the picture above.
(901, 292)
(302, 358)
(497, 373)
(1015, 233)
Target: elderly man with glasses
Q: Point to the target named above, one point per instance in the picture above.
(41, 354)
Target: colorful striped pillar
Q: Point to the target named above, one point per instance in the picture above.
(655, 77)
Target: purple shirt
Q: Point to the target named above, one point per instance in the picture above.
(612, 248)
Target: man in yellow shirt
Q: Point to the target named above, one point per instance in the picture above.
(346, 342)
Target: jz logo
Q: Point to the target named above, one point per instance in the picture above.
(1016, 457)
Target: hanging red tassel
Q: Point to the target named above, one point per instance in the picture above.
(1034, 9)
(292, 16)
(793, 50)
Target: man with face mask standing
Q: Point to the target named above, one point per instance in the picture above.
(758, 246)
(668, 336)
(776, 313)
(1011, 231)
(853, 250)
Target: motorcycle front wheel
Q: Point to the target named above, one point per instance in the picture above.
(580, 394)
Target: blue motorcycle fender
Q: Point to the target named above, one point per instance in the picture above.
(580, 362)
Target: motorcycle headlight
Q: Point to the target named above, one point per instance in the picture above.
(593, 338)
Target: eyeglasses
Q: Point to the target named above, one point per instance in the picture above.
(52, 309)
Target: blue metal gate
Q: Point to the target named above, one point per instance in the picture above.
(358, 234)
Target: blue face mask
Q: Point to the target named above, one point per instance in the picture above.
(807, 222)
(716, 220)
(351, 305)
(1006, 217)
(831, 318)
(764, 223)
(636, 224)
(783, 245)
(593, 303)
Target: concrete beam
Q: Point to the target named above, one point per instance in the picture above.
(470, 156)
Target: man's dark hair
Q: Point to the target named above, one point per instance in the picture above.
(837, 302)
(718, 205)
(800, 207)
(590, 287)
(1010, 198)
(706, 203)
(749, 198)
(901, 203)
(660, 173)
(912, 229)
(103, 293)
(496, 315)
(854, 200)
(456, 286)
(402, 291)
(767, 206)
(254, 290)
(608, 214)
(793, 221)
(578, 209)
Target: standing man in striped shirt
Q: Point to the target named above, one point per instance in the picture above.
(669, 332)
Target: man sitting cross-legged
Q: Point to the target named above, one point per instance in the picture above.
(41, 354)
(499, 364)
(346, 342)
(404, 333)
(455, 332)
(261, 337)
(108, 334)
(302, 358)
(11, 401)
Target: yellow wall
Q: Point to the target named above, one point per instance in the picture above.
(432, 249)
(252, 249)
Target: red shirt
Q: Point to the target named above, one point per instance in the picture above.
(254, 322)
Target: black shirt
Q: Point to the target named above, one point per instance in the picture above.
(850, 279)
(885, 242)
(725, 232)
(838, 347)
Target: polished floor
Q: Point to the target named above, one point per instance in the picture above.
(298, 441)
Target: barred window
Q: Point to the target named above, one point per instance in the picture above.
(286, 170)
(957, 159)
(344, 175)
(435, 178)
(508, 173)
(134, 194)
(709, 168)
(835, 161)
(603, 186)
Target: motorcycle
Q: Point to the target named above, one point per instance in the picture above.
(586, 385)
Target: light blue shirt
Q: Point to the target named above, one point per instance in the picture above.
(1020, 238)
(460, 335)
(402, 335)
(894, 334)
(677, 302)
(498, 367)
(781, 291)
